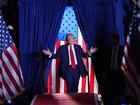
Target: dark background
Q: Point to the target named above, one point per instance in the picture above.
(9, 10)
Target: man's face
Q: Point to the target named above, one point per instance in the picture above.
(70, 39)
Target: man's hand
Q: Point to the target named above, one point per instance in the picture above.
(47, 52)
(93, 50)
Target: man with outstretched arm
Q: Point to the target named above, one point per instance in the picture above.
(71, 63)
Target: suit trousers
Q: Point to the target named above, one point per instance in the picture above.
(72, 79)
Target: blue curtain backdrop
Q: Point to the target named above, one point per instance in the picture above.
(40, 22)
(85, 14)
(99, 20)
(123, 17)
(96, 20)
(39, 25)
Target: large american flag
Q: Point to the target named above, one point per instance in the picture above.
(11, 79)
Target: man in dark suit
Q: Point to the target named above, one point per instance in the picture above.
(71, 63)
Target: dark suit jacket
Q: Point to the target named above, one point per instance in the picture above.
(62, 53)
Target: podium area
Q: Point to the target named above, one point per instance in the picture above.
(66, 99)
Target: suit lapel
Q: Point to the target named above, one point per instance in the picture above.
(76, 50)
(67, 55)
(67, 50)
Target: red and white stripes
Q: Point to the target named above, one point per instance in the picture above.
(125, 56)
(11, 79)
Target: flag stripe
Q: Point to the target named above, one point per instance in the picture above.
(8, 76)
(80, 41)
(50, 82)
(10, 71)
(57, 64)
(85, 79)
(53, 77)
(7, 87)
(91, 79)
(15, 57)
(82, 80)
(1, 94)
(15, 68)
(6, 93)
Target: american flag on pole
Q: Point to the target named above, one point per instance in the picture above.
(11, 79)
(131, 61)
(55, 84)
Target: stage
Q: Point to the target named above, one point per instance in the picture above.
(66, 99)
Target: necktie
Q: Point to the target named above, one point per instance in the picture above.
(72, 58)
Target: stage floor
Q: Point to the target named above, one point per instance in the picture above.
(66, 99)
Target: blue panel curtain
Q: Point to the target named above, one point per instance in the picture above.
(99, 20)
(97, 23)
(123, 18)
(95, 19)
(84, 11)
(39, 25)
